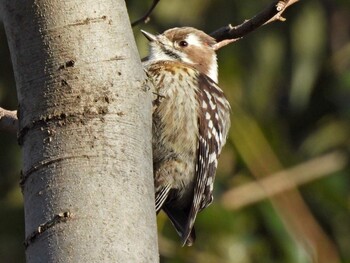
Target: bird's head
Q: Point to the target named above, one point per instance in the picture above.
(187, 45)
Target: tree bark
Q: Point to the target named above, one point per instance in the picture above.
(85, 132)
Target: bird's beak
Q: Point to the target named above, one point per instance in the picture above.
(149, 36)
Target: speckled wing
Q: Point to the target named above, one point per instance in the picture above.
(214, 122)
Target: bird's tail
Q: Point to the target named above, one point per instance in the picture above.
(179, 220)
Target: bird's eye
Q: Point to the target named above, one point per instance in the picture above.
(183, 43)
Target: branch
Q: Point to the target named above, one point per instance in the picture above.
(8, 121)
(283, 181)
(145, 18)
(228, 34)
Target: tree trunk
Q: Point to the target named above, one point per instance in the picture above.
(85, 131)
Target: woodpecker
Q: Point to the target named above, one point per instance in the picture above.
(190, 122)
